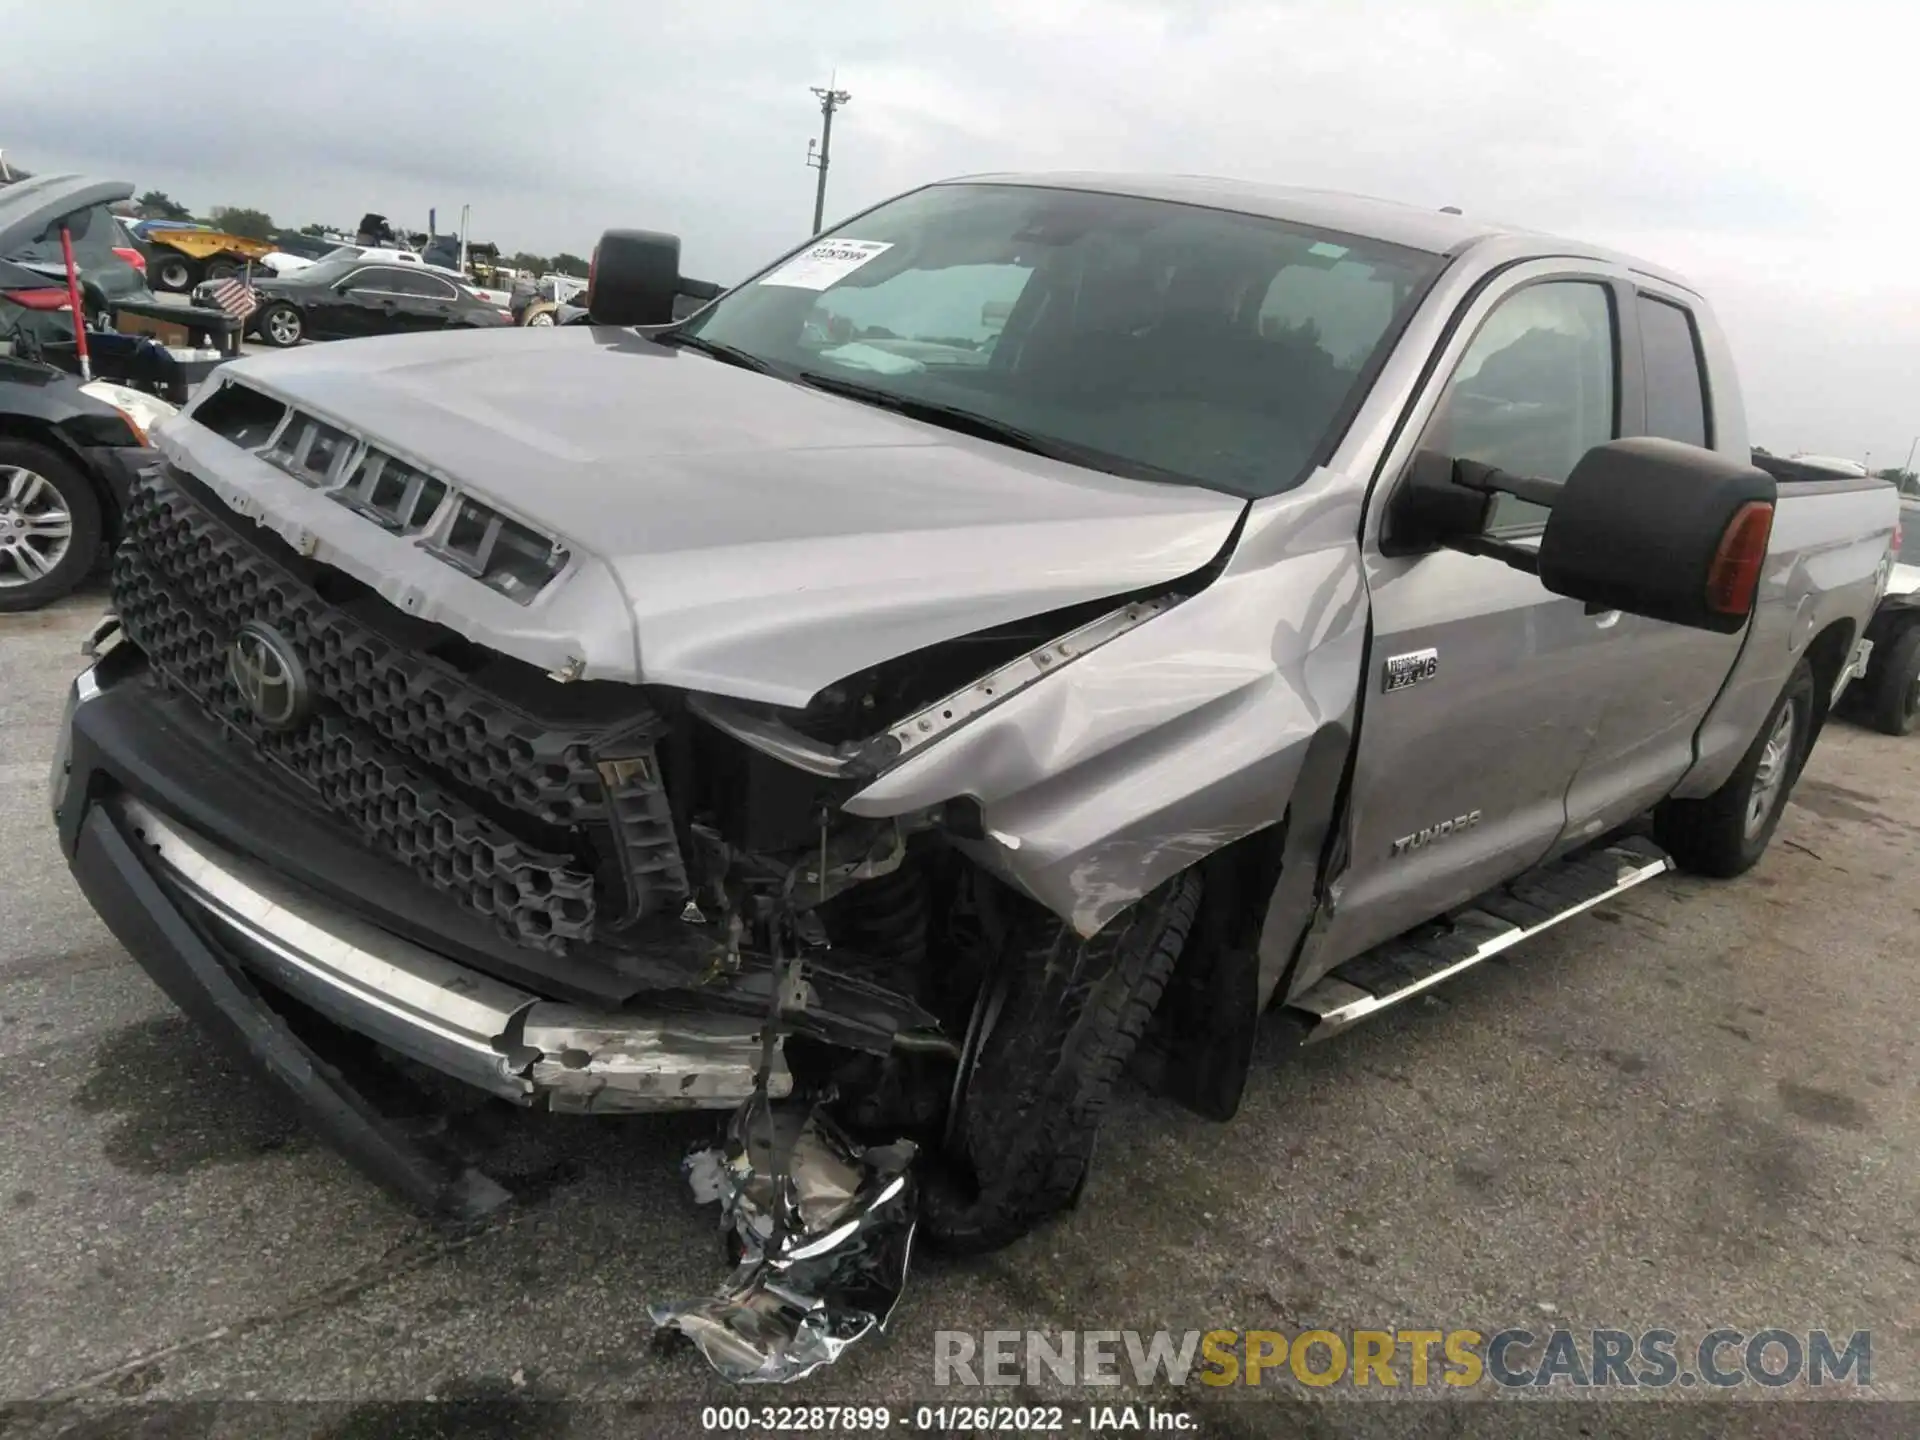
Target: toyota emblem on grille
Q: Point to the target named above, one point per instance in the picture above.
(265, 670)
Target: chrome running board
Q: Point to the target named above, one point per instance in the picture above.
(1420, 959)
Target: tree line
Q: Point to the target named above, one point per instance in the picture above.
(258, 225)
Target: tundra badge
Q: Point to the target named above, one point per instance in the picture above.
(1410, 669)
(1422, 838)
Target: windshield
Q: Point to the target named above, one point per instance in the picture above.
(1141, 336)
(343, 252)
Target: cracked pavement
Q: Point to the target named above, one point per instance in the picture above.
(1695, 1106)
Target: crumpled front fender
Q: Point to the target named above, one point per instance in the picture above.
(1177, 738)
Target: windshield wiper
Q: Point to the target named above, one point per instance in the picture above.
(731, 354)
(952, 417)
(984, 427)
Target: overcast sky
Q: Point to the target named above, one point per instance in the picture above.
(1768, 153)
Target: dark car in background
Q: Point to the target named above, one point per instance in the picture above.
(30, 212)
(66, 447)
(340, 299)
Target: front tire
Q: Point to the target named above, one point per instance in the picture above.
(49, 526)
(1059, 1017)
(280, 326)
(1893, 705)
(1723, 834)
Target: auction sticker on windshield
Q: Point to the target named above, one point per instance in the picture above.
(818, 266)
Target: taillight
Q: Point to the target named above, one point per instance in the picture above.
(132, 257)
(1735, 573)
(37, 299)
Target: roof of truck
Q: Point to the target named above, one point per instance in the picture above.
(1398, 224)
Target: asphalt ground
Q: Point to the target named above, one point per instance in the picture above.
(1693, 1107)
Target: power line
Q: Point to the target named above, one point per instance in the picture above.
(830, 101)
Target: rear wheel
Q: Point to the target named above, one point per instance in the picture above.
(539, 317)
(222, 268)
(1055, 1023)
(49, 526)
(280, 325)
(1726, 832)
(172, 272)
(1893, 703)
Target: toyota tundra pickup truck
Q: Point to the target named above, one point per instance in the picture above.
(1045, 626)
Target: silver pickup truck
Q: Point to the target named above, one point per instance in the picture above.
(1047, 625)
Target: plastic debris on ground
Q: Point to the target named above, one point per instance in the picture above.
(822, 1230)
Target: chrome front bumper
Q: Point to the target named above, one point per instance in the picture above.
(447, 1016)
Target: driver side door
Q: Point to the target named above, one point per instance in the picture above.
(1480, 694)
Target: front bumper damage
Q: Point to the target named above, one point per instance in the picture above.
(452, 1018)
(236, 902)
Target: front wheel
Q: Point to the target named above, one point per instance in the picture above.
(49, 526)
(280, 325)
(1724, 833)
(223, 270)
(1056, 1021)
(1893, 704)
(539, 317)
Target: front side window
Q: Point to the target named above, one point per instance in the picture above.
(1535, 390)
(1139, 336)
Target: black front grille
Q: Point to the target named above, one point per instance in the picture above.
(550, 828)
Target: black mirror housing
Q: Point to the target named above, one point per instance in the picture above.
(634, 278)
(1430, 508)
(1660, 529)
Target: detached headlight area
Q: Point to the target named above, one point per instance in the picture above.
(141, 411)
(806, 739)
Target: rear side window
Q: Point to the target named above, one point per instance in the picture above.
(1670, 356)
(413, 282)
(94, 248)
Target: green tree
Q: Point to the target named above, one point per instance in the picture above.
(1905, 479)
(158, 205)
(314, 228)
(524, 261)
(240, 220)
(566, 264)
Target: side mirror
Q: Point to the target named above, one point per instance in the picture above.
(1661, 529)
(634, 278)
(1652, 527)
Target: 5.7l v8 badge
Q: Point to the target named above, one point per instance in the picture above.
(1410, 669)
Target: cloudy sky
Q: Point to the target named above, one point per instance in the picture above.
(1767, 152)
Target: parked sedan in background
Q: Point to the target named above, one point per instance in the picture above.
(67, 451)
(338, 299)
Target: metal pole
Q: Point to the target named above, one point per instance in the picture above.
(830, 101)
(1910, 449)
(77, 305)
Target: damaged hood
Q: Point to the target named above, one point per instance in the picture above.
(764, 539)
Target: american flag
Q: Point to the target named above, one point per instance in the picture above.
(235, 297)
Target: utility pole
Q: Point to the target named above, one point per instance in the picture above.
(830, 101)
